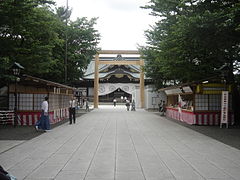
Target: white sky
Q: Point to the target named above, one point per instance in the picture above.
(121, 23)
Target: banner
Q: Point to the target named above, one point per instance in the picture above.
(224, 108)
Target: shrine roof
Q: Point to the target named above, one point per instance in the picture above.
(89, 73)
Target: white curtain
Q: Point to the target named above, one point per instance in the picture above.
(106, 88)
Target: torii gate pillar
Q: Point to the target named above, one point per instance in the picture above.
(142, 83)
(96, 81)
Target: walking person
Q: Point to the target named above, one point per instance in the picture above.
(83, 102)
(133, 106)
(163, 110)
(114, 102)
(43, 123)
(87, 105)
(127, 104)
(160, 106)
(72, 110)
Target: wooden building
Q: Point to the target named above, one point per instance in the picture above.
(197, 103)
(30, 94)
(115, 74)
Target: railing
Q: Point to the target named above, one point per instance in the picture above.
(6, 117)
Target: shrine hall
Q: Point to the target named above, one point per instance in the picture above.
(116, 74)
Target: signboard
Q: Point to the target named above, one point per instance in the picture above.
(224, 109)
(212, 88)
(181, 90)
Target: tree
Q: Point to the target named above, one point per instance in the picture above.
(82, 43)
(82, 40)
(34, 35)
(192, 38)
(27, 34)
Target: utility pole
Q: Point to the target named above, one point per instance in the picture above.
(66, 46)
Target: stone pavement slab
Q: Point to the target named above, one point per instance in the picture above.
(113, 144)
(7, 144)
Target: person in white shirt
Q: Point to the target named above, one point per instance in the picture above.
(114, 102)
(127, 104)
(44, 107)
(72, 110)
(87, 105)
(43, 123)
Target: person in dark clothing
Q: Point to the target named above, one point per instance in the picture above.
(160, 106)
(163, 111)
(4, 175)
(133, 106)
(72, 110)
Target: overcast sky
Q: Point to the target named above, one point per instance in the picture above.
(121, 23)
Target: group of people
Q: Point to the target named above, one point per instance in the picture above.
(133, 108)
(43, 124)
(127, 103)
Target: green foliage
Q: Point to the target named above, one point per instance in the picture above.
(4, 74)
(191, 38)
(34, 35)
(82, 42)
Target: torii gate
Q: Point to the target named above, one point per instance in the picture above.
(121, 62)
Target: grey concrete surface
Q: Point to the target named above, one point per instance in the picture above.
(113, 144)
(7, 144)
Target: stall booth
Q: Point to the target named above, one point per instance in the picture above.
(30, 94)
(197, 103)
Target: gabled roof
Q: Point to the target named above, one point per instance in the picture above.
(89, 74)
(45, 82)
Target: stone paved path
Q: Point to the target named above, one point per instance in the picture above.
(113, 144)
